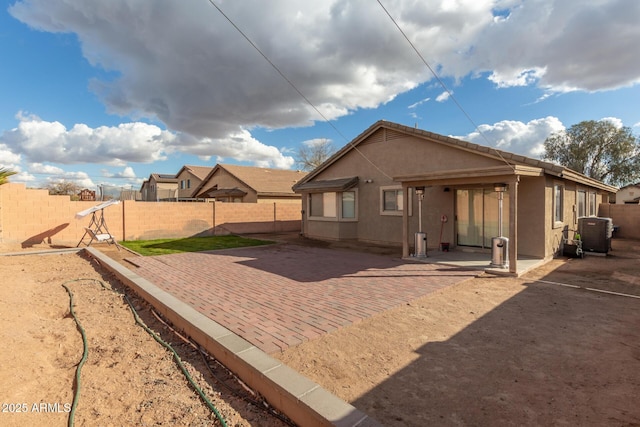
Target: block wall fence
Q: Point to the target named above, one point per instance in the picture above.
(626, 217)
(32, 216)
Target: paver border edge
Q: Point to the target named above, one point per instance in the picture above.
(302, 400)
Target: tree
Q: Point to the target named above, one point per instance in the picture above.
(312, 153)
(64, 188)
(5, 174)
(598, 149)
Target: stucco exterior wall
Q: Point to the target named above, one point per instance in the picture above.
(191, 182)
(625, 217)
(30, 217)
(567, 228)
(420, 156)
(388, 153)
(628, 194)
(532, 216)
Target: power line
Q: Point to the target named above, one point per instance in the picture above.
(275, 67)
(435, 75)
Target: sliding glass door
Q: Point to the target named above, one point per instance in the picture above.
(477, 217)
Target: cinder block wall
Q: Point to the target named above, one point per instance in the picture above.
(627, 217)
(30, 216)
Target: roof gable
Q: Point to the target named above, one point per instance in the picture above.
(199, 172)
(264, 181)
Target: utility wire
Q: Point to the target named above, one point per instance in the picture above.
(435, 75)
(275, 67)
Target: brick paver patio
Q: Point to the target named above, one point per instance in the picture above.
(281, 295)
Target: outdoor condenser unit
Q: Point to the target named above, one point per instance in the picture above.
(595, 233)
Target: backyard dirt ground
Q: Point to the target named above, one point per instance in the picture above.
(128, 378)
(538, 350)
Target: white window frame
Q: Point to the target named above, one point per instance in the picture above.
(592, 202)
(558, 192)
(581, 203)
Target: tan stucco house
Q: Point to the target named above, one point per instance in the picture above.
(628, 195)
(189, 179)
(159, 187)
(248, 184)
(367, 192)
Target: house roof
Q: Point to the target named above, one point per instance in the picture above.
(264, 181)
(163, 177)
(199, 172)
(337, 185)
(514, 163)
(637, 184)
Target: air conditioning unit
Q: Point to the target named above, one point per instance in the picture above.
(595, 233)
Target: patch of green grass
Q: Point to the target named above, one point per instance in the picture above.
(190, 244)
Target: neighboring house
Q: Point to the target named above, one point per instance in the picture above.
(629, 194)
(367, 192)
(189, 178)
(159, 187)
(247, 184)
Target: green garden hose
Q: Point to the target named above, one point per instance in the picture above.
(139, 321)
(85, 353)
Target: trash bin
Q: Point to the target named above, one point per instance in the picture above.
(421, 245)
(499, 252)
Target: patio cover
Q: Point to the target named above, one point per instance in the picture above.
(505, 174)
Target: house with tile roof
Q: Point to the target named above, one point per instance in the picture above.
(247, 184)
(393, 181)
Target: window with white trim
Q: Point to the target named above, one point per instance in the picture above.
(322, 205)
(582, 203)
(348, 204)
(592, 204)
(558, 204)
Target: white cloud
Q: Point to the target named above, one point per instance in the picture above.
(510, 78)
(637, 125)
(515, 136)
(126, 173)
(443, 96)
(316, 141)
(186, 66)
(189, 68)
(614, 121)
(419, 103)
(41, 141)
(563, 44)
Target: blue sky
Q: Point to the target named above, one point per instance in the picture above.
(109, 92)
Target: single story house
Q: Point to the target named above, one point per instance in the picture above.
(629, 195)
(369, 191)
(189, 178)
(248, 184)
